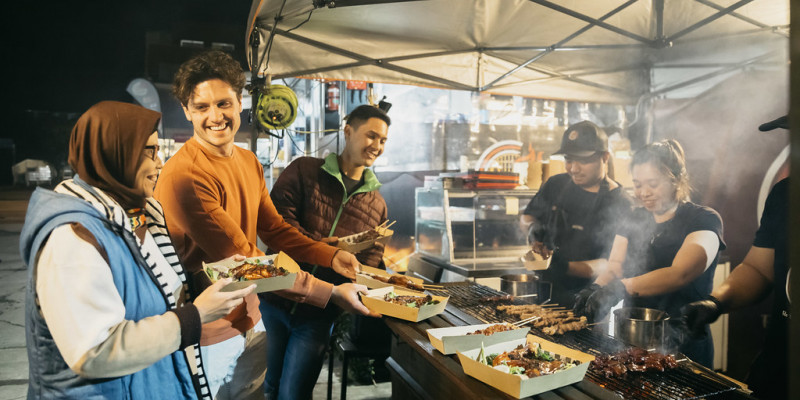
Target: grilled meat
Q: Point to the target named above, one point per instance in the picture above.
(253, 270)
(634, 360)
(566, 326)
(496, 299)
(397, 280)
(409, 301)
(534, 361)
(494, 329)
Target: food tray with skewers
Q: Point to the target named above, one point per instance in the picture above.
(363, 240)
(268, 273)
(461, 338)
(403, 304)
(374, 278)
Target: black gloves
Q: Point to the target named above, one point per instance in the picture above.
(698, 314)
(597, 304)
(582, 297)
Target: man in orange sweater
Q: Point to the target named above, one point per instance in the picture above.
(217, 201)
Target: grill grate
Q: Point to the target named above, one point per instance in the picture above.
(686, 382)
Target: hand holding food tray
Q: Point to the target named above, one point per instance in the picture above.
(525, 367)
(364, 240)
(268, 273)
(403, 304)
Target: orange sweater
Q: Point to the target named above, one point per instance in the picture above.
(215, 207)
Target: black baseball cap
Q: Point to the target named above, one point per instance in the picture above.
(782, 122)
(583, 140)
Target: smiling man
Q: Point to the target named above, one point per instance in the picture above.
(574, 214)
(217, 201)
(324, 199)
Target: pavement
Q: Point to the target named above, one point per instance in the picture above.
(13, 355)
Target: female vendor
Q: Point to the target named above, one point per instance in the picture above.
(665, 252)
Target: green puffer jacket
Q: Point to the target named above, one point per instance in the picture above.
(310, 195)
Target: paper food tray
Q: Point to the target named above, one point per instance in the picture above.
(515, 385)
(454, 339)
(372, 283)
(348, 243)
(262, 285)
(373, 300)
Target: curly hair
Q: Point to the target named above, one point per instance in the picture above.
(212, 64)
(669, 158)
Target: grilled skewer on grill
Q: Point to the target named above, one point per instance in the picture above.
(503, 298)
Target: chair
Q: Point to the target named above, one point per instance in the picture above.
(350, 349)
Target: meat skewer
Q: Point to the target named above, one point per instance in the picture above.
(502, 298)
(552, 321)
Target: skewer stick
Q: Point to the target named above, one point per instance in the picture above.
(526, 321)
(387, 226)
(382, 224)
(550, 305)
(432, 286)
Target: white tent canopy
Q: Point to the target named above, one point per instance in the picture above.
(619, 51)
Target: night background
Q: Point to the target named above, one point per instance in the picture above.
(68, 55)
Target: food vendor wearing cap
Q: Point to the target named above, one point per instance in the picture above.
(217, 201)
(573, 216)
(764, 270)
(665, 252)
(324, 199)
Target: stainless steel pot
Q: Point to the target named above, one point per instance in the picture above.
(527, 284)
(643, 327)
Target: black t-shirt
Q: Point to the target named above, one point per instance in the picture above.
(772, 234)
(768, 376)
(352, 184)
(577, 224)
(653, 246)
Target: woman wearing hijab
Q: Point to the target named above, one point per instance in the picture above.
(665, 254)
(107, 308)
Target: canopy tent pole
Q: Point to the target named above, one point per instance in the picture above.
(707, 20)
(575, 14)
(732, 14)
(711, 75)
(376, 62)
(552, 48)
(570, 78)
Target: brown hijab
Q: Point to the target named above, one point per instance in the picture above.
(106, 147)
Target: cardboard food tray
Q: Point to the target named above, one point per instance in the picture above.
(348, 243)
(262, 285)
(454, 339)
(373, 300)
(372, 283)
(535, 262)
(515, 385)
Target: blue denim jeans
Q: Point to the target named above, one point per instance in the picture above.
(235, 368)
(296, 346)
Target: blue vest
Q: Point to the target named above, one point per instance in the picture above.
(49, 375)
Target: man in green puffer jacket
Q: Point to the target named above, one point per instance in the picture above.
(324, 199)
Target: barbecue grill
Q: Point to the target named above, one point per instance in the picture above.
(688, 381)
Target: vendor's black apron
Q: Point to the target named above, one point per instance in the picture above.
(769, 377)
(571, 242)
